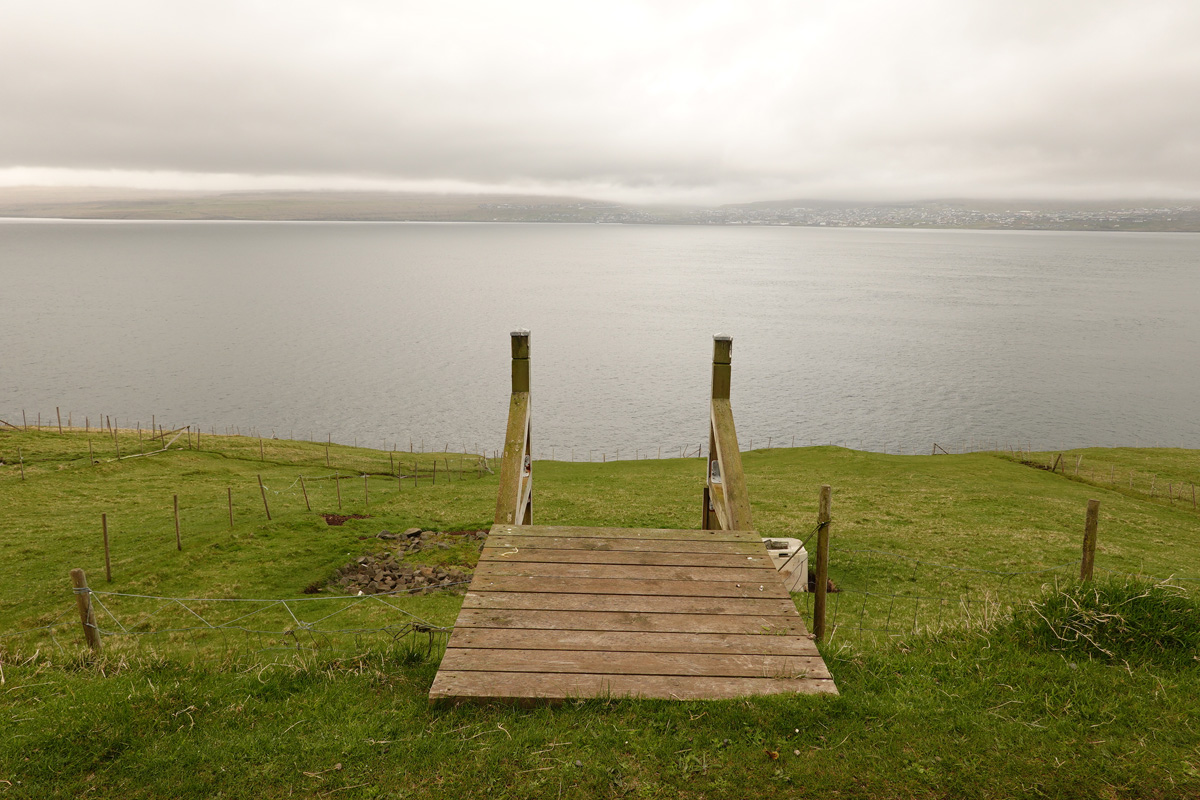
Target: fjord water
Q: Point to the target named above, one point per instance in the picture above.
(387, 332)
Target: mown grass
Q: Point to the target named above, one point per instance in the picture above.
(976, 704)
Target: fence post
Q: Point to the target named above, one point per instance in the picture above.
(107, 561)
(263, 489)
(87, 615)
(178, 540)
(366, 493)
(1089, 540)
(824, 509)
(307, 505)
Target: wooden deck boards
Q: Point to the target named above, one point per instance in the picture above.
(556, 612)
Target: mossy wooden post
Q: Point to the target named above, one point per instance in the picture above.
(514, 505)
(178, 539)
(824, 516)
(87, 615)
(107, 561)
(725, 501)
(1089, 540)
(266, 507)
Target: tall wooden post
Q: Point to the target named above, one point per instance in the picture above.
(263, 489)
(726, 502)
(514, 505)
(1089, 540)
(87, 615)
(59, 413)
(824, 517)
(107, 560)
(178, 539)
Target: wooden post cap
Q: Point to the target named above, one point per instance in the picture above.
(722, 356)
(722, 348)
(520, 360)
(520, 343)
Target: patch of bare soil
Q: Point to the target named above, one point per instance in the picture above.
(339, 519)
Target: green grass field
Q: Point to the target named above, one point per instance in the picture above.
(944, 694)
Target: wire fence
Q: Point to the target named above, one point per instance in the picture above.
(878, 592)
(213, 626)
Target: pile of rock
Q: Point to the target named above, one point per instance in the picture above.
(387, 572)
(415, 539)
(380, 574)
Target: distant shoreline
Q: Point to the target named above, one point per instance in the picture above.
(1151, 216)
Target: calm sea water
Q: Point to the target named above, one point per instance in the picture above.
(388, 333)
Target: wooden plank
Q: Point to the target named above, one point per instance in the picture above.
(733, 479)
(617, 663)
(629, 545)
(481, 686)
(494, 569)
(716, 495)
(529, 555)
(547, 601)
(633, 642)
(592, 586)
(559, 531)
(512, 465)
(773, 624)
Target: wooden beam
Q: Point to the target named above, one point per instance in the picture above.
(726, 500)
(735, 498)
(514, 503)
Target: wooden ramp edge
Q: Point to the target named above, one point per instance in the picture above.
(555, 613)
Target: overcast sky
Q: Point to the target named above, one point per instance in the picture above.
(649, 101)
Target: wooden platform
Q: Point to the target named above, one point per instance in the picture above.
(556, 612)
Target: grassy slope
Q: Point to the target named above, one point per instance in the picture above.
(960, 714)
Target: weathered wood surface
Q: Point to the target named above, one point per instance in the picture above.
(556, 613)
(510, 542)
(567, 569)
(641, 534)
(509, 501)
(734, 510)
(530, 686)
(528, 555)
(769, 625)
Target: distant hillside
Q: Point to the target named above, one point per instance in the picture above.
(93, 203)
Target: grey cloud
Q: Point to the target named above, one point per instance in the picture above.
(858, 99)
